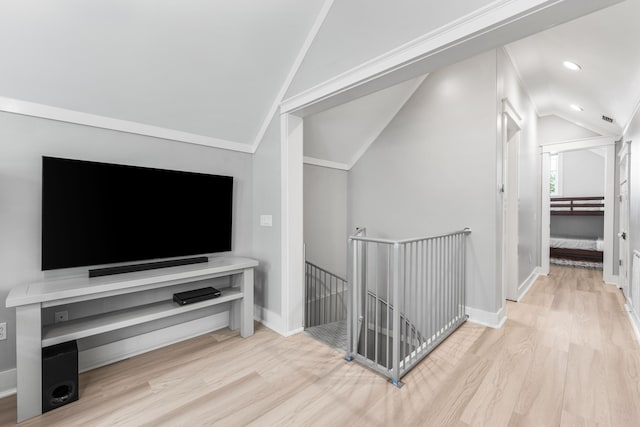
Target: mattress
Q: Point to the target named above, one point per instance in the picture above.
(573, 243)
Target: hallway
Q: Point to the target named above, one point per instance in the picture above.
(566, 356)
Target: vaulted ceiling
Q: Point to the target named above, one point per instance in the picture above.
(217, 69)
(605, 45)
(211, 68)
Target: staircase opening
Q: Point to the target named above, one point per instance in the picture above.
(325, 316)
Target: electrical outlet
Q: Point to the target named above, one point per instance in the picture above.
(3, 331)
(61, 316)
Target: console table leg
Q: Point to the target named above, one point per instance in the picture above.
(29, 361)
(246, 304)
(234, 315)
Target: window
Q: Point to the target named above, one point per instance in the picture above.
(554, 175)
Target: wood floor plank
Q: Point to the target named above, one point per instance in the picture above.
(493, 402)
(622, 369)
(584, 396)
(540, 398)
(585, 326)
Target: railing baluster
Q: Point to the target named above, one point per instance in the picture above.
(454, 280)
(448, 280)
(388, 296)
(375, 308)
(441, 275)
(396, 315)
(432, 288)
(414, 299)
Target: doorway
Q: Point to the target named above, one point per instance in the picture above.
(511, 127)
(607, 146)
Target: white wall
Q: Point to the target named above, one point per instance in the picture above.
(433, 170)
(24, 140)
(325, 218)
(529, 169)
(552, 128)
(582, 174)
(267, 240)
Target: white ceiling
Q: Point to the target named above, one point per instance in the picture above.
(355, 31)
(212, 68)
(342, 134)
(216, 67)
(605, 44)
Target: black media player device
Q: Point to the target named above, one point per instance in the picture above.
(196, 295)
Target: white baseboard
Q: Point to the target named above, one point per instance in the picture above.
(529, 281)
(293, 331)
(635, 321)
(7, 383)
(109, 353)
(268, 318)
(487, 318)
(612, 280)
(273, 321)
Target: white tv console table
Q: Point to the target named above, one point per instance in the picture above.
(30, 299)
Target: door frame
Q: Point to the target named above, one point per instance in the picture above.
(624, 254)
(607, 142)
(511, 124)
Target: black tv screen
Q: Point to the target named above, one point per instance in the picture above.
(99, 213)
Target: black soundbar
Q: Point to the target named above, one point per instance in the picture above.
(107, 271)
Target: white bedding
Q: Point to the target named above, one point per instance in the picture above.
(571, 243)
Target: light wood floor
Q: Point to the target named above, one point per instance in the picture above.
(566, 356)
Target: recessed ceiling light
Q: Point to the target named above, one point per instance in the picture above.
(572, 66)
(576, 107)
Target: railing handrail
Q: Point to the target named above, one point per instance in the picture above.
(466, 230)
(326, 271)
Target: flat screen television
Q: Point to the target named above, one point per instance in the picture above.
(99, 213)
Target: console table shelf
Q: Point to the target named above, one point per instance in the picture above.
(98, 324)
(30, 299)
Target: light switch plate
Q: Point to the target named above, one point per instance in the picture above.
(266, 220)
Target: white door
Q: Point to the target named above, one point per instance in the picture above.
(510, 198)
(623, 234)
(511, 211)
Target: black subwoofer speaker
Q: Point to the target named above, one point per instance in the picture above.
(59, 375)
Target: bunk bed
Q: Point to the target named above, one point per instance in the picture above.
(577, 250)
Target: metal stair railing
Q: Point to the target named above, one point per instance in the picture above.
(325, 296)
(405, 297)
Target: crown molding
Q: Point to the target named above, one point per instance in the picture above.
(325, 163)
(49, 112)
(322, 15)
